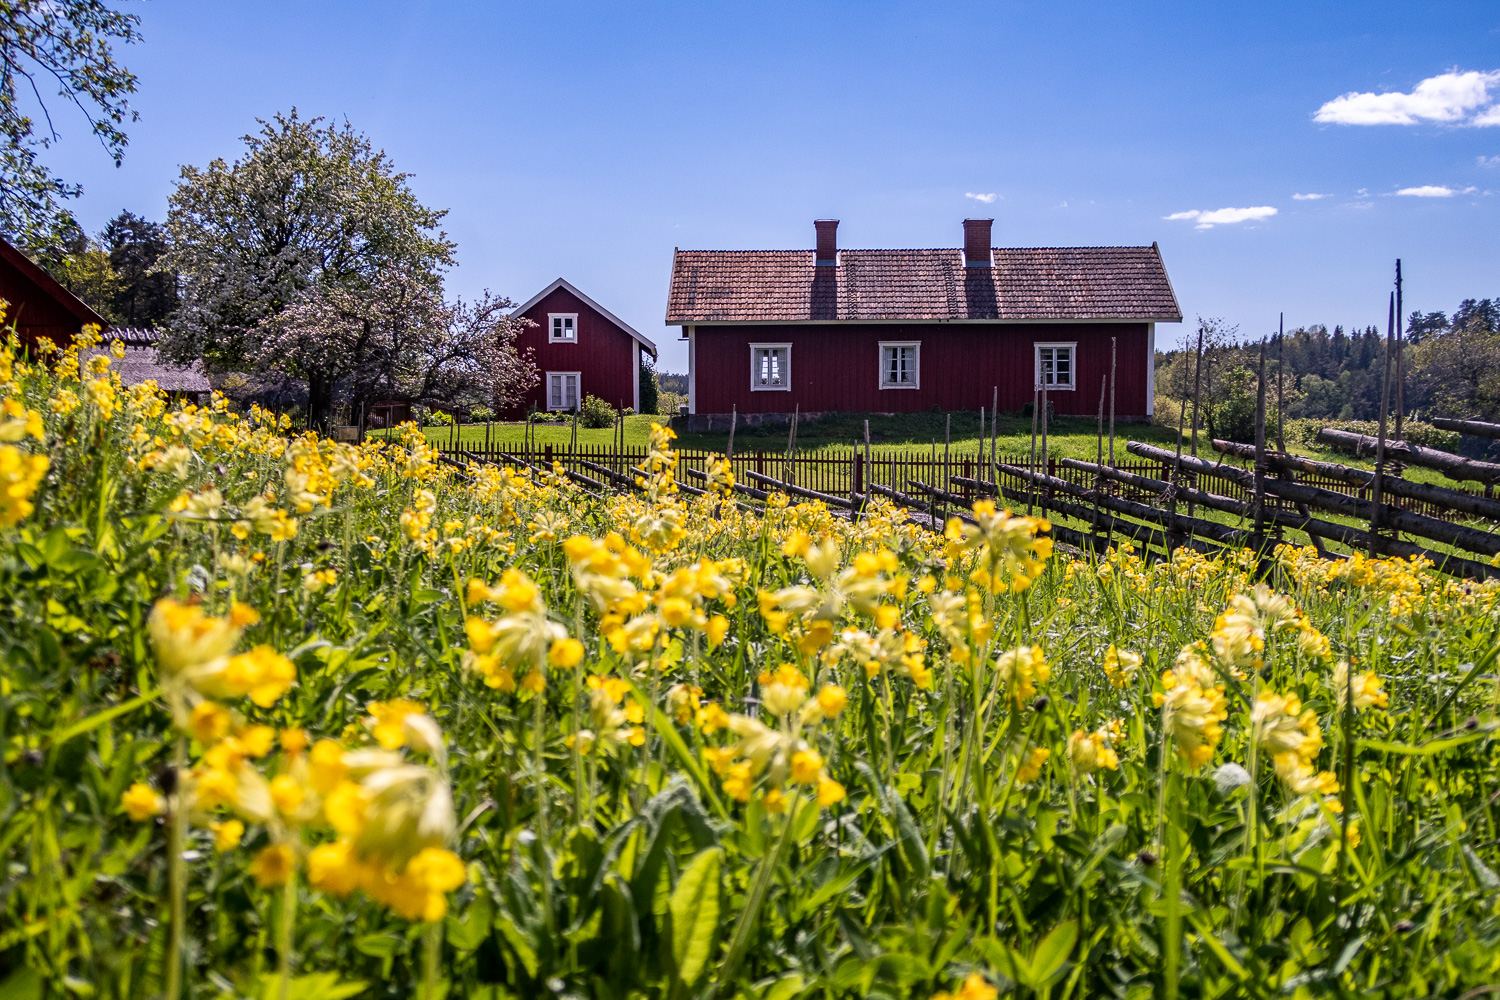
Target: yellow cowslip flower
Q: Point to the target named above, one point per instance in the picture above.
(1367, 688)
(829, 792)
(293, 740)
(334, 868)
(807, 767)
(682, 702)
(711, 718)
(1300, 778)
(975, 987)
(390, 722)
(1031, 766)
(20, 476)
(17, 422)
(319, 579)
(214, 787)
(184, 638)
(1022, 669)
(1011, 550)
(263, 674)
(716, 629)
(1120, 666)
(832, 700)
(273, 866)
(738, 781)
(1191, 714)
(287, 794)
(433, 873)
(227, 834)
(141, 802)
(1280, 725)
(535, 682)
(209, 722)
(1089, 752)
(565, 653)
(326, 766)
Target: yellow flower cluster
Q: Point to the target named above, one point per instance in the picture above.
(766, 757)
(1012, 551)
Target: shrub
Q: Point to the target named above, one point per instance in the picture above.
(597, 413)
(480, 414)
(650, 399)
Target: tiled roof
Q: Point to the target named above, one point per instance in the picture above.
(1037, 283)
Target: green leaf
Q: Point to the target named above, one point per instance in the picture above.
(695, 914)
(100, 718)
(785, 989)
(1053, 952)
(316, 986)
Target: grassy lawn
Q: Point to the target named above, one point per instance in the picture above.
(1071, 437)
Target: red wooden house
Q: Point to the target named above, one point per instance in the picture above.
(580, 349)
(898, 331)
(37, 304)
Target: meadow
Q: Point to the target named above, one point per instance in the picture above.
(285, 718)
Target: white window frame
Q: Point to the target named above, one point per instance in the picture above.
(1036, 359)
(577, 391)
(916, 365)
(552, 337)
(786, 368)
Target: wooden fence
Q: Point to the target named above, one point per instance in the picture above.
(844, 472)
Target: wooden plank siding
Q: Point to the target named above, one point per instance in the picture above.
(835, 367)
(606, 356)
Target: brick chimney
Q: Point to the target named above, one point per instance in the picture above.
(977, 243)
(828, 242)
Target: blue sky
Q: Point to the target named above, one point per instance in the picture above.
(587, 140)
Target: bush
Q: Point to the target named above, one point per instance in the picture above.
(650, 400)
(597, 413)
(426, 417)
(480, 414)
(1305, 432)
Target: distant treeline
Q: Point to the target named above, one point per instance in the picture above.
(1450, 366)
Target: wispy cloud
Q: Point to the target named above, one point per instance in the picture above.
(1223, 216)
(1489, 161)
(1434, 191)
(1467, 98)
(986, 198)
(1310, 197)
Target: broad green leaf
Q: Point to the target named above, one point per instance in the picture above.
(695, 914)
(1053, 951)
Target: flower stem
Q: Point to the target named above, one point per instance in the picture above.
(756, 899)
(284, 936)
(432, 949)
(176, 871)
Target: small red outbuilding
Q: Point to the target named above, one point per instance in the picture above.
(580, 349)
(898, 331)
(37, 304)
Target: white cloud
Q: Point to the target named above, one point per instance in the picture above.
(1434, 191)
(1310, 197)
(986, 198)
(1489, 161)
(1448, 97)
(1224, 216)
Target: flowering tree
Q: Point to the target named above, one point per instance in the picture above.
(398, 337)
(310, 219)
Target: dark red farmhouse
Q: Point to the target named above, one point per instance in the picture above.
(37, 304)
(580, 349)
(897, 331)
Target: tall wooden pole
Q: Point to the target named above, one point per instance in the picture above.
(994, 428)
(1400, 349)
(1112, 346)
(1036, 395)
(1377, 488)
(1260, 452)
(734, 418)
(1280, 356)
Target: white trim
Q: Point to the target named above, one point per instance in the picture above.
(1151, 369)
(635, 380)
(577, 392)
(916, 382)
(786, 374)
(552, 337)
(617, 321)
(1036, 361)
(692, 369)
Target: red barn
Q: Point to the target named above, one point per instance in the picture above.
(37, 304)
(580, 349)
(897, 331)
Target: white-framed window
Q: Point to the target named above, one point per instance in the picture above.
(770, 367)
(1056, 365)
(562, 390)
(562, 328)
(900, 364)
